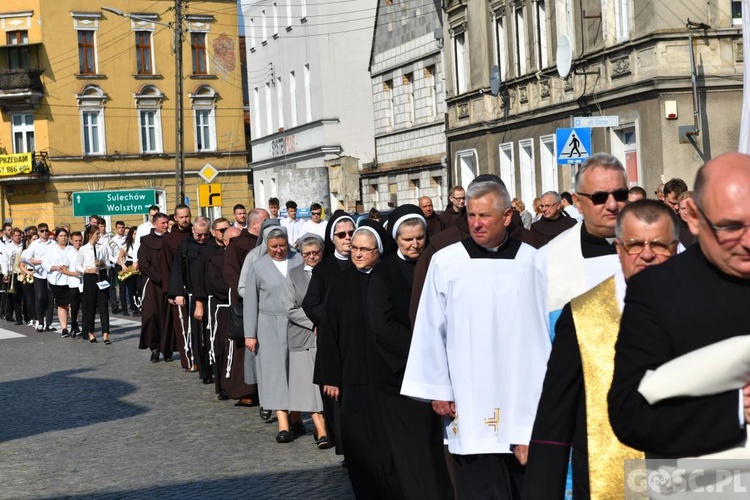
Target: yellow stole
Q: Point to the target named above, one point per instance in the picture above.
(597, 321)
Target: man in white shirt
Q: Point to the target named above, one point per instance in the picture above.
(240, 216)
(315, 225)
(292, 224)
(7, 261)
(42, 294)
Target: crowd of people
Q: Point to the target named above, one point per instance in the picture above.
(515, 339)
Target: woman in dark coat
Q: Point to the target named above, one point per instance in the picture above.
(346, 368)
(413, 430)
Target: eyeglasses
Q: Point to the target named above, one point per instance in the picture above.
(222, 229)
(343, 234)
(544, 207)
(730, 233)
(311, 253)
(636, 247)
(200, 236)
(601, 197)
(315, 213)
(459, 198)
(44, 230)
(362, 249)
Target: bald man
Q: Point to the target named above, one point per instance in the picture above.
(709, 287)
(434, 226)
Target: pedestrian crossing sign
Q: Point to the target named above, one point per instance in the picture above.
(573, 145)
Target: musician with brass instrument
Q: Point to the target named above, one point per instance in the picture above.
(42, 294)
(128, 276)
(10, 273)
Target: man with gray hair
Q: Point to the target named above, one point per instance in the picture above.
(553, 222)
(468, 357)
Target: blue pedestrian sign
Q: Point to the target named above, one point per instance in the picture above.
(573, 145)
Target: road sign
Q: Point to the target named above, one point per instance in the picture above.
(209, 195)
(573, 145)
(208, 172)
(123, 202)
(596, 121)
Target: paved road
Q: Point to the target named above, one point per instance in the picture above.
(84, 420)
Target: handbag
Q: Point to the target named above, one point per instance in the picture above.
(236, 327)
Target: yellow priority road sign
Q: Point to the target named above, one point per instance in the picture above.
(209, 195)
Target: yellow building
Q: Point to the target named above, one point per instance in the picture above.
(91, 92)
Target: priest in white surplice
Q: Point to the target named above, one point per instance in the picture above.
(466, 356)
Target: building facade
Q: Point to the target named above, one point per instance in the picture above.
(310, 100)
(91, 93)
(408, 90)
(630, 59)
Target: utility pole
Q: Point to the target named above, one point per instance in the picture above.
(179, 115)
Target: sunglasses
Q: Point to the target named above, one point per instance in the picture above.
(222, 230)
(343, 234)
(601, 197)
(44, 230)
(315, 213)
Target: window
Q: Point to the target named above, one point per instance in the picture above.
(204, 113)
(541, 34)
(521, 41)
(86, 53)
(23, 133)
(143, 58)
(280, 102)
(564, 21)
(269, 110)
(198, 49)
(548, 163)
(528, 176)
(408, 83)
(501, 51)
(93, 129)
(622, 20)
(467, 165)
(263, 27)
(275, 26)
(430, 83)
(150, 140)
(289, 14)
(148, 101)
(91, 103)
(737, 12)
(251, 33)
(293, 98)
(388, 97)
(303, 9)
(308, 94)
(18, 57)
(508, 167)
(459, 50)
(256, 112)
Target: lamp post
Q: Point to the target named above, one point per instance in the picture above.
(179, 175)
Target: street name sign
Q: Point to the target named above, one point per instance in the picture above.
(573, 145)
(124, 202)
(596, 121)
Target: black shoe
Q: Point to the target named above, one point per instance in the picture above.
(323, 443)
(284, 437)
(167, 356)
(19, 322)
(222, 396)
(65, 333)
(208, 380)
(93, 340)
(125, 313)
(265, 414)
(298, 428)
(154, 356)
(49, 329)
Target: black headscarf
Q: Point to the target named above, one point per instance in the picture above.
(338, 216)
(385, 239)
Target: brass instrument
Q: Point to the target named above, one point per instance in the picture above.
(12, 285)
(29, 278)
(127, 273)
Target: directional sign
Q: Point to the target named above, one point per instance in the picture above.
(209, 195)
(596, 121)
(573, 145)
(124, 202)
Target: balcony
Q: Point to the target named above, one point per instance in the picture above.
(20, 89)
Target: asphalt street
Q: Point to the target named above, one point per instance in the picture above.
(83, 420)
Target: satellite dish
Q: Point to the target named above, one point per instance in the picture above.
(564, 56)
(494, 80)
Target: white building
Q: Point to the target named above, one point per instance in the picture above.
(310, 99)
(409, 100)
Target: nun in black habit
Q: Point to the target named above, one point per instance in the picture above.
(413, 429)
(346, 368)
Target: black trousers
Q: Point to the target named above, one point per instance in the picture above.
(492, 476)
(128, 293)
(94, 299)
(15, 302)
(44, 301)
(112, 291)
(75, 307)
(29, 304)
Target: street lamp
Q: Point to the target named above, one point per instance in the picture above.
(179, 176)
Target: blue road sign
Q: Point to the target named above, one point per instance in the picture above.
(573, 145)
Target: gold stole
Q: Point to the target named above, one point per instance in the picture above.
(597, 321)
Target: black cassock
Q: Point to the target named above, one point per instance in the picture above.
(671, 309)
(153, 295)
(414, 430)
(322, 276)
(347, 359)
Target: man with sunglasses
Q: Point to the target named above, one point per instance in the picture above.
(42, 293)
(572, 411)
(315, 224)
(584, 255)
(553, 222)
(708, 303)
